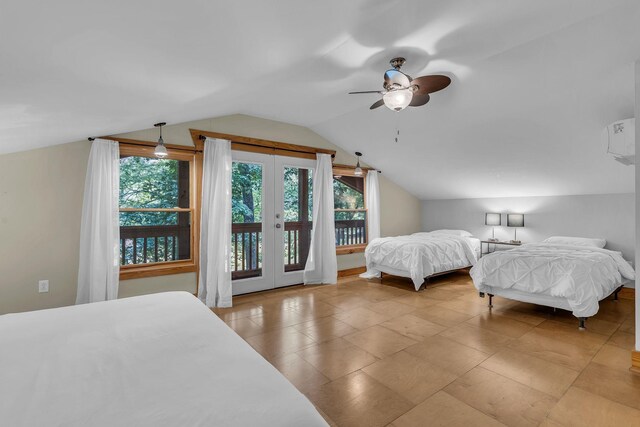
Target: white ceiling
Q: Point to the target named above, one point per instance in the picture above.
(534, 82)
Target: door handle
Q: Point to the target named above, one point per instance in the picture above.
(278, 225)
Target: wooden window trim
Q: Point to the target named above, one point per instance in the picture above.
(350, 171)
(194, 157)
(257, 145)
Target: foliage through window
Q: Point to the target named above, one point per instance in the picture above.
(350, 210)
(155, 210)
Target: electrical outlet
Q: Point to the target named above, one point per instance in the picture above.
(43, 286)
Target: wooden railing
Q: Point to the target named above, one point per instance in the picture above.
(351, 232)
(145, 244)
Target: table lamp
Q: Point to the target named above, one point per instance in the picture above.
(515, 220)
(493, 219)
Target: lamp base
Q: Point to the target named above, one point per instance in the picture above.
(516, 241)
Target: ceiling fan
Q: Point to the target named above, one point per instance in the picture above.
(401, 91)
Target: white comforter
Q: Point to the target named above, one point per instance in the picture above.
(420, 254)
(156, 360)
(582, 275)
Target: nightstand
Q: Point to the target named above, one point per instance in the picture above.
(499, 242)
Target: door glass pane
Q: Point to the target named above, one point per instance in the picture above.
(297, 215)
(246, 211)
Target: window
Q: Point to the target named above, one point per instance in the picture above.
(157, 206)
(350, 210)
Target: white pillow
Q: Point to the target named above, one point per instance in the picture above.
(576, 241)
(461, 233)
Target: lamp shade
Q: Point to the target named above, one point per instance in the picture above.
(492, 219)
(515, 220)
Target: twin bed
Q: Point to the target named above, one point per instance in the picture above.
(562, 272)
(156, 360)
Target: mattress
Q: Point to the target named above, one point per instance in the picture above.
(156, 360)
(579, 275)
(420, 255)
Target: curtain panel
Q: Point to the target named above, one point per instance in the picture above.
(100, 225)
(322, 264)
(214, 284)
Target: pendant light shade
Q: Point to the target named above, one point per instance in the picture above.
(161, 150)
(358, 169)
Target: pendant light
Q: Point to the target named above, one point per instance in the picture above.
(161, 150)
(358, 170)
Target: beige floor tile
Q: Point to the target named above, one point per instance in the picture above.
(280, 319)
(611, 383)
(300, 372)
(473, 307)
(442, 316)
(417, 300)
(623, 340)
(413, 327)
(337, 357)
(629, 325)
(447, 354)
(392, 308)
(501, 398)
(318, 309)
(569, 332)
(379, 341)
(347, 302)
(238, 311)
(413, 378)
(444, 410)
(579, 408)
(280, 341)
(544, 345)
(359, 400)
(613, 357)
(528, 313)
(362, 317)
(245, 327)
(479, 338)
(500, 324)
(325, 329)
(593, 324)
(441, 293)
(531, 371)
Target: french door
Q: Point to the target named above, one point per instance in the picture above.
(272, 212)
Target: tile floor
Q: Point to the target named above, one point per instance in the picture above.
(377, 353)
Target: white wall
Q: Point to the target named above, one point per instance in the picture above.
(610, 216)
(637, 202)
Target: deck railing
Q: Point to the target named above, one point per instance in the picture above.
(351, 232)
(145, 244)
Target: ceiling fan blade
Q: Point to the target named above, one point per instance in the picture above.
(430, 84)
(419, 100)
(377, 104)
(364, 91)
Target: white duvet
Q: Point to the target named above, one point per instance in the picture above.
(156, 360)
(582, 275)
(420, 255)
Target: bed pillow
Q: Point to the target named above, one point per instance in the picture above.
(576, 241)
(461, 233)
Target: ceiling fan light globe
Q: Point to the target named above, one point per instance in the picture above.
(398, 100)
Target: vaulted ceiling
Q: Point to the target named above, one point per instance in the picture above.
(534, 82)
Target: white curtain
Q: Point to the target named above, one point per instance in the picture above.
(214, 282)
(99, 226)
(373, 214)
(322, 264)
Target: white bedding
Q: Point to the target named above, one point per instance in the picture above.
(582, 275)
(420, 255)
(156, 360)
